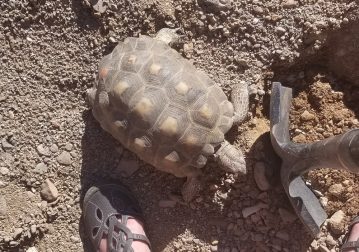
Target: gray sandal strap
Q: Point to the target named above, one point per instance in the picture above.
(103, 207)
(350, 245)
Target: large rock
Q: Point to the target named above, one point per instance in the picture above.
(336, 222)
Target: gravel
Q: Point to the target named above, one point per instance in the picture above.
(50, 51)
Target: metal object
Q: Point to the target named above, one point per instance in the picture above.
(338, 152)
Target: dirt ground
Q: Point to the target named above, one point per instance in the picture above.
(49, 53)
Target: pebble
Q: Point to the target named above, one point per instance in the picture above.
(6, 145)
(330, 241)
(307, 116)
(323, 248)
(188, 48)
(3, 206)
(314, 245)
(248, 211)
(33, 229)
(54, 148)
(68, 147)
(17, 233)
(43, 150)
(40, 168)
(258, 10)
(32, 249)
(49, 191)
(64, 158)
(260, 176)
(336, 222)
(261, 92)
(214, 248)
(280, 30)
(74, 239)
(323, 201)
(167, 203)
(4, 170)
(290, 4)
(2, 184)
(336, 190)
(127, 167)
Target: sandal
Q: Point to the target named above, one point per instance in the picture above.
(348, 245)
(103, 206)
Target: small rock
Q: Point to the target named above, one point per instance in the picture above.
(167, 203)
(127, 167)
(17, 233)
(329, 240)
(3, 206)
(74, 239)
(307, 116)
(290, 4)
(32, 249)
(336, 190)
(261, 92)
(323, 248)
(318, 193)
(6, 145)
(49, 191)
(40, 168)
(54, 148)
(336, 222)
(188, 48)
(260, 176)
(258, 10)
(217, 5)
(112, 39)
(253, 209)
(280, 30)
(314, 245)
(43, 150)
(68, 147)
(33, 229)
(323, 201)
(214, 248)
(64, 158)
(286, 216)
(4, 171)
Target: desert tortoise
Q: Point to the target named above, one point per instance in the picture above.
(160, 107)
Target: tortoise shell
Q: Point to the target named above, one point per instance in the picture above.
(158, 105)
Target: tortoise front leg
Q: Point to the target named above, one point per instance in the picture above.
(240, 100)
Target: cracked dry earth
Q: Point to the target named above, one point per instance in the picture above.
(52, 149)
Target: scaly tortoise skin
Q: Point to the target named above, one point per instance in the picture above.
(160, 107)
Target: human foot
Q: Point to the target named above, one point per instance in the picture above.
(351, 244)
(113, 220)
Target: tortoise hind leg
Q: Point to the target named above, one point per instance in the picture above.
(240, 100)
(230, 158)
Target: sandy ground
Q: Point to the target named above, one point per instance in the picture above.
(49, 53)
